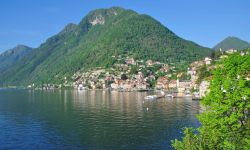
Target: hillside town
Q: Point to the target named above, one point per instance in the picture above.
(129, 74)
(137, 75)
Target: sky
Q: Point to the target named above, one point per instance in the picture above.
(206, 22)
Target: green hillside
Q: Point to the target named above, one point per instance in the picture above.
(11, 56)
(103, 33)
(232, 43)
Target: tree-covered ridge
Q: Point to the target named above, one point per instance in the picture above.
(225, 123)
(103, 33)
(10, 56)
(232, 43)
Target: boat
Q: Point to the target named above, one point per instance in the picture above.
(187, 95)
(169, 95)
(196, 96)
(81, 87)
(151, 97)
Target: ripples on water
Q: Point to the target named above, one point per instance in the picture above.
(91, 120)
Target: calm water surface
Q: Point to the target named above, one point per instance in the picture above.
(91, 120)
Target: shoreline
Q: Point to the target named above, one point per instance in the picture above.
(175, 94)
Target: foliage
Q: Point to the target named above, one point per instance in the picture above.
(133, 70)
(203, 73)
(216, 54)
(102, 75)
(152, 83)
(11, 56)
(154, 68)
(225, 123)
(185, 76)
(124, 77)
(160, 74)
(173, 77)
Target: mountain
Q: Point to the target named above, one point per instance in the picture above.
(232, 43)
(101, 35)
(11, 56)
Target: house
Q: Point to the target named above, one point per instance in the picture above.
(231, 51)
(191, 72)
(207, 60)
(223, 56)
(139, 77)
(165, 67)
(172, 84)
(162, 83)
(203, 88)
(149, 62)
(130, 61)
(183, 85)
(141, 66)
(197, 64)
(142, 86)
(126, 86)
(157, 63)
(109, 78)
(242, 53)
(114, 85)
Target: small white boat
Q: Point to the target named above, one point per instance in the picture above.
(196, 96)
(81, 87)
(170, 95)
(151, 97)
(188, 95)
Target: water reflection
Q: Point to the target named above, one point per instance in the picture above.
(100, 119)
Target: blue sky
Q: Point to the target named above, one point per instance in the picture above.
(205, 22)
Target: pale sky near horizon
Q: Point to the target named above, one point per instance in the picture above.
(206, 22)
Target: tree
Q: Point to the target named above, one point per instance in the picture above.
(203, 73)
(216, 54)
(133, 70)
(225, 122)
(124, 77)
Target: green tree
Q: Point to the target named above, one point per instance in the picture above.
(124, 77)
(133, 70)
(151, 83)
(203, 73)
(225, 122)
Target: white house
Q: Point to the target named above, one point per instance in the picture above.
(231, 51)
(207, 60)
(204, 88)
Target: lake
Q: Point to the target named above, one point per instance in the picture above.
(92, 120)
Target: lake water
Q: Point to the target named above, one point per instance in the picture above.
(91, 120)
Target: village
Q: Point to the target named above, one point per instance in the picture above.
(137, 75)
(129, 74)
